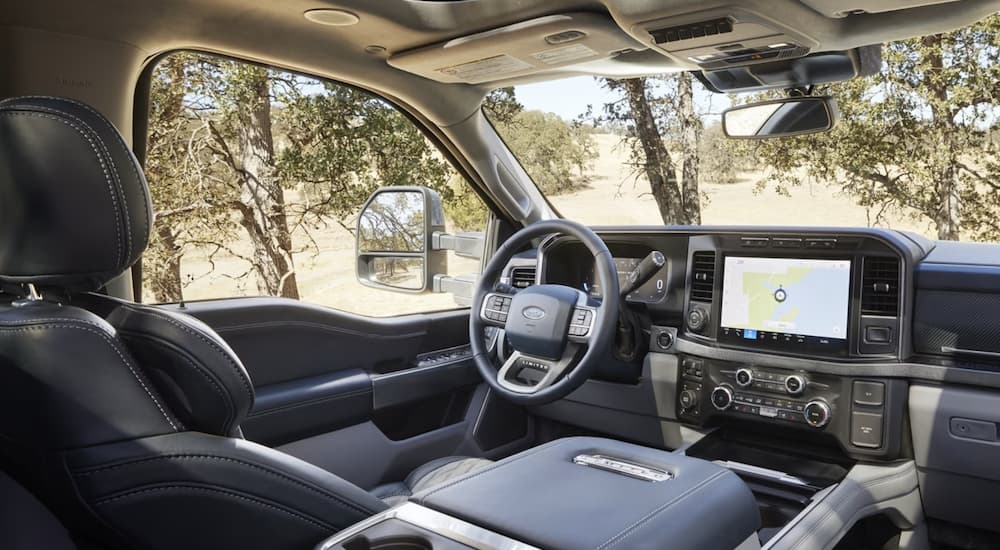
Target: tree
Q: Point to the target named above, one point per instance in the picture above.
(653, 109)
(554, 152)
(916, 136)
(245, 161)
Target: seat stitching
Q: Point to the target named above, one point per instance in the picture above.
(7, 327)
(158, 315)
(220, 491)
(227, 399)
(111, 162)
(353, 506)
(104, 169)
(121, 141)
(496, 466)
(631, 529)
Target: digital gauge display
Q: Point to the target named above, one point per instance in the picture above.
(650, 292)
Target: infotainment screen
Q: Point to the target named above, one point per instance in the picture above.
(785, 300)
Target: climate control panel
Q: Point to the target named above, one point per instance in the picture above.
(713, 392)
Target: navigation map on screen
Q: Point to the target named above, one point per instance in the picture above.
(783, 295)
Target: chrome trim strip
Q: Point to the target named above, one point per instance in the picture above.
(435, 522)
(966, 351)
(766, 473)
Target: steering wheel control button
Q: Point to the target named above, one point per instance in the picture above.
(496, 307)
(744, 378)
(795, 384)
(722, 397)
(817, 414)
(581, 322)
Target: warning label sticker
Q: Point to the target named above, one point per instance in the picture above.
(564, 54)
(486, 69)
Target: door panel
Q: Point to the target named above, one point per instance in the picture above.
(332, 386)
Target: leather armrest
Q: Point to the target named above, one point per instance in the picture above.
(543, 498)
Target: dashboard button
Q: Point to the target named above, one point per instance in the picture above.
(795, 384)
(866, 430)
(869, 393)
(744, 377)
(878, 335)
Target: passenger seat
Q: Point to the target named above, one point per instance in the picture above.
(25, 523)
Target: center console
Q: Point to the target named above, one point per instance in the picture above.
(572, 493)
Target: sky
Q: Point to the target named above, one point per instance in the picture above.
(569, 97)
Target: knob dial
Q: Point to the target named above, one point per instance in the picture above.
(722, 397)
(795, 384)
(688, 399)
(816, 413)
(697, 319)
(744, 377)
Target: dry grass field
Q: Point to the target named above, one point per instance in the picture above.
(613, 196)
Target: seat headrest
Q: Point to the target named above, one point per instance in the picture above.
(74, 207)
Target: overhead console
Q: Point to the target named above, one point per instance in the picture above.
(519, 50)
(721, 38)
(831, 296)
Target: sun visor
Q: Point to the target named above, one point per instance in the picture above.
(523, 49)
(820, 68)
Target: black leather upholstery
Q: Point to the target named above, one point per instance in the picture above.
(542, 497)
(74, 207)
(435, 472)
(204, 382)
(125, 418)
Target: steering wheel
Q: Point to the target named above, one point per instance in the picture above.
(558, 333)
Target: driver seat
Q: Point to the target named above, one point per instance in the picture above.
(125, 419)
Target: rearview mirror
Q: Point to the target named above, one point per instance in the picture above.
(793, 116)
(394, 239)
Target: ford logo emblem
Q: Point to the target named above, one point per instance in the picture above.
(533, 313)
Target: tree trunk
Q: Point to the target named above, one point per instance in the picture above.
(165, 276)
(946, 213)
(657, 164)
(690, 136)
(264, 216)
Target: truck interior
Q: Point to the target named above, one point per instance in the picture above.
(683, 386)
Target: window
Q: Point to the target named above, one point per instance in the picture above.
(257, 176)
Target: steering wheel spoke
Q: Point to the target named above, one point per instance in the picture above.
(496, 308)
(527, 374)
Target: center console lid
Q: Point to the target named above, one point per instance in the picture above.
(584, 492)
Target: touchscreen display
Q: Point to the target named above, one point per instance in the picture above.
(766, 297)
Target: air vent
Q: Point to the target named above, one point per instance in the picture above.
(880, 287)
(693, 30)
(703, 276)
(522, 277)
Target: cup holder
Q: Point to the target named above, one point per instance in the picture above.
(407, 542)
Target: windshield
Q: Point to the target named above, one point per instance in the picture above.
(915, 148)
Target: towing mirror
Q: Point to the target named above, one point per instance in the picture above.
(393, 243)
(793, 116)
(401, 244)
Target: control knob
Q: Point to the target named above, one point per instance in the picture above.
(697, 319)
(816, 413)
(795, 384)
(722, 397)
(744, 377)
(688, 399)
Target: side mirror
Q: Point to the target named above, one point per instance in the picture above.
(394, 245)
(793, 116)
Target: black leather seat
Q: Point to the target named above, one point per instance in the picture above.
(123, 418)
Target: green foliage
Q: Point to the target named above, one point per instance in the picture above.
(915, 137)
(248, 161)
(554, 152)
(720, 158)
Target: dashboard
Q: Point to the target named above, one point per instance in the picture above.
(850, 345)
